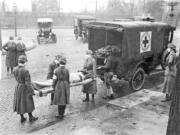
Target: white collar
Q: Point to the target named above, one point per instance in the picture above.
(62, 65)
(21, 65)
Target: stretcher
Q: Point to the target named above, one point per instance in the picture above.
(42, 88)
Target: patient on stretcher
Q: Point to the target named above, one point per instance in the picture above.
(74, 78)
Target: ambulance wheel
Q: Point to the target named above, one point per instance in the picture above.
(137, 80)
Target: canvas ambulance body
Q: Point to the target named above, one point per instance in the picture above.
(142, 44)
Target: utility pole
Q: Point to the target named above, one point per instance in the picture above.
(132, 8)
(96, 7)
(0, 53)
(15, 25)
(59, 7)
(144, 7)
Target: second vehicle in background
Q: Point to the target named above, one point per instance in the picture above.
(80, 26)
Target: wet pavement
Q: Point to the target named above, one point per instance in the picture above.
(95, 115)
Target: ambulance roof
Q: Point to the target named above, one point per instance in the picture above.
(85, 17)
(41, 20)
(120, 25)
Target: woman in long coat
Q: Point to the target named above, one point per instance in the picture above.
(10, 47)
(170, 72)
(23, 96)
(89, 66)
(61, 87)
(20, 48)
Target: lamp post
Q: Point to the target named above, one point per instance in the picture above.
(15, 25)
(96, 7)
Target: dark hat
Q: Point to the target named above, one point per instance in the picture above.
(11, 38)
(63, 60)
(22, 58)
(57, 57)
(172, 46)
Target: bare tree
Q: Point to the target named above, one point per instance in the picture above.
(46, 6)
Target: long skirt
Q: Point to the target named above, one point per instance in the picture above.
(23, 102)
(11, 59)
(169, 84)
(61, 93)
(90, 88)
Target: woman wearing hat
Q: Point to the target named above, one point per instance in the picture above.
(170, 72)
(89, 67)
(61, 87)
(10, 47)
(23, 96)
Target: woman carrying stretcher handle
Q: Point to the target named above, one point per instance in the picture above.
(90, 69)
(52, 66)
(61, 85)
(23, 95)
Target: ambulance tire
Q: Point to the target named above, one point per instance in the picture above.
(137, 80)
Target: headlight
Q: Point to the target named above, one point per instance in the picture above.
(50, 33)
(42, 34)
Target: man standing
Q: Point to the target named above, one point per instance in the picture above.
(110, 67)
(52, 67)
(170, 72)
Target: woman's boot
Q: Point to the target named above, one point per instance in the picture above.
(32, 118)
(87, 98)
(23, 119)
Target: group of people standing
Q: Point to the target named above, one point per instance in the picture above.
(23, 97)
(13, 51)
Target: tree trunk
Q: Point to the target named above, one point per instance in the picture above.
(173, 127)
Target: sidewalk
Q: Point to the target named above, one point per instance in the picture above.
(140, 113)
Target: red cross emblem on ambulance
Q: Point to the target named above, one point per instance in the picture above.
(145, 41)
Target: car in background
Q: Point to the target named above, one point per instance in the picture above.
(80, 26)
(45, 34)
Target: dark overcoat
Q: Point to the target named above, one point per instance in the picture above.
(23, 100)
(20, 47)
(170, 73)
(51, 68)
(10, 47)
(61, 86)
